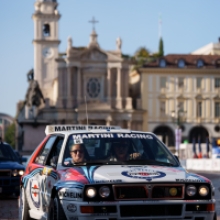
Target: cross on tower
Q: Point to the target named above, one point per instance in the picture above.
(93, 21)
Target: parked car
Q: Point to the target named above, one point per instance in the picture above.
(10, 171)
(105, 172)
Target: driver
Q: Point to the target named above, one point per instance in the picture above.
(77, 153)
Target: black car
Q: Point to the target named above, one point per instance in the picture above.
(10, 171)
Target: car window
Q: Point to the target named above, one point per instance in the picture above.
(45, 151)
(55, 151)
(103, 146)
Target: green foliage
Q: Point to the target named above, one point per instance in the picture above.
(10, 135)
(141, 53)
(161, 51)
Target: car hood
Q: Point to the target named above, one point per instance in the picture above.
(11, 165)
(126, 174)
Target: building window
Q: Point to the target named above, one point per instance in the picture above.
(199, 82)
(200, 63)
(162, 108)
(181, 106)
(46, 30)
(163, 82)
(0, 121)
(217, 82)
(199, 109)
(180, 82)
(217, 109)
(162, 63)
(181, 63)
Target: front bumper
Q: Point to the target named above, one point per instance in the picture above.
(126, 210)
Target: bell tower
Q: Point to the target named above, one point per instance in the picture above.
(46, 42)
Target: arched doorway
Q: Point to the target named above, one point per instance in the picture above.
(165, 134)
(198, 132)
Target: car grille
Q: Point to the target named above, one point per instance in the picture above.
(148, 191)
(150, 210)
(5, 173)
(6, 180)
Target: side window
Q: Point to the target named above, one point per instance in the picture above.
(44, 153)
(54, 153)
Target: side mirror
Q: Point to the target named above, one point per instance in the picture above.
(24, 159)
(53, 161)
(177, 158)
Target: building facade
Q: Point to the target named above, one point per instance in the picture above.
(78, 86)
(181, 91)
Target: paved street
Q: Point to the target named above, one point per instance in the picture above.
(8, 208)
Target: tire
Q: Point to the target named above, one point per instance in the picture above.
(215, 216)
(56, 210)
(23, 206)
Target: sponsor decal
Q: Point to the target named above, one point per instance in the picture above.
(51, 128)
(108, 181)
(189, 180)
(70, 194)
(71, 207)
(146, 174)
(111, 135)
(34, 191)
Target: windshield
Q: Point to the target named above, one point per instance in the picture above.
(117, 148)
(7, 153)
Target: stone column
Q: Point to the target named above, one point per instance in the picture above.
(118, 95)
(78, 86)
(109, 86)
(129, 124)
(108, 121)
(69, 88)
(59, 103)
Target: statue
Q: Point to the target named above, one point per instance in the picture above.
(118, 43)
(34, 94)
(70, 43)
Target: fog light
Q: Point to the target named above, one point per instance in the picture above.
(173, 191)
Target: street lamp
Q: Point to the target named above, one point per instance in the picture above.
(178, 118)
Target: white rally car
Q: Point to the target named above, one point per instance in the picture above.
(149, 184)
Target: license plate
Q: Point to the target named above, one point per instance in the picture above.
(0, 190)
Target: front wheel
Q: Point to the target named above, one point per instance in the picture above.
(56, 210)
(23, 206)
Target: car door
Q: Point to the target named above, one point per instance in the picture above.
(50, 175)
(35, 199)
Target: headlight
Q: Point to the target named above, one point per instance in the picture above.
(91, 192)
(203, 190)
(191, 190)
(104, 191)
(21, 172)
(14, 172)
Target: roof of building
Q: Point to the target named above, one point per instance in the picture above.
(190, 61)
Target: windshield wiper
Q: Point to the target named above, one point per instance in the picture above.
(150, 162)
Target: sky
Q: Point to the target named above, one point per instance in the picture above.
(186, 26)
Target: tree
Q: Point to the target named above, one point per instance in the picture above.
(10, 135)
(161, 51)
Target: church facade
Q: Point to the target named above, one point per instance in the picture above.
(79, 86)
